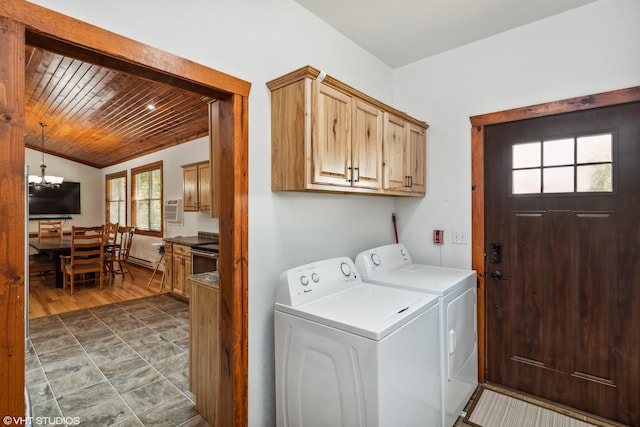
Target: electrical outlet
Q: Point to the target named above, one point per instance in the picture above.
(459, 237)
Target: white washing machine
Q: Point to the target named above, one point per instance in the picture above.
(349, 353)
(456, 289)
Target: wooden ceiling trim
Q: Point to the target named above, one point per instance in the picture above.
(154, 64)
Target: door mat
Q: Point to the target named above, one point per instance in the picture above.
(493, 409)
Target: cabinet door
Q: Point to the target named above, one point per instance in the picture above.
(178, 275)
(204, 189)
(366, 145)
(168, 265)
(204, 366)
(186, 285)
(417, 159)
(396, 149)
(181, 269)
(331, 136)
(190, 188)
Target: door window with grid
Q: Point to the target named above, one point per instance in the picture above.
(146, 199)
(570, 165)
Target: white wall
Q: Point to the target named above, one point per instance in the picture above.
(277, 36)
(585, 51)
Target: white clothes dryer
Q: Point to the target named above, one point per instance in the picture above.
(456, 289)
(349, 353)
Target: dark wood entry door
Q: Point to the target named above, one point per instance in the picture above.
(563, 261)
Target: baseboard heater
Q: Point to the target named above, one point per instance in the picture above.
(141, 262)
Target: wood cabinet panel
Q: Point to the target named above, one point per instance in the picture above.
(417, 159)
(168, 264)
(331, 136)
(404, 150)
(366, 145)
(327, 136)
(178, 265)
(204, 187)
(196, 185)
(190, 188)
(204, 345)
(395, 154)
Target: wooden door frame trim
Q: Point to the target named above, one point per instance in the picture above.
(53, 31)
(605, 99)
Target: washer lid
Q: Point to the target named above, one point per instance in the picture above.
(368, 310)
(427, 278)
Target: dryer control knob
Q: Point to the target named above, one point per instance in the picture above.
(375, 259)
(304, 280)
(345, 269)
(403, 252)
(315, 277)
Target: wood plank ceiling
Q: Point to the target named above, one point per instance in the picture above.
(101, 117)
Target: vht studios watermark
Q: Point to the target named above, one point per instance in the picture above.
(8, 420)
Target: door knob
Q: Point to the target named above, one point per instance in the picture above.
(496, 275)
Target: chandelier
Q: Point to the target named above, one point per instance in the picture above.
(44, 181)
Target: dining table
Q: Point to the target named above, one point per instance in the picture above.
(56, 247)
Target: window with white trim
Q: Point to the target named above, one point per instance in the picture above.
(146, 199)
(116, 198)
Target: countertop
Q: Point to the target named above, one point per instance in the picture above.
(190, 240)
(210, 279)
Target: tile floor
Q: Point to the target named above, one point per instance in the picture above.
(125, 364)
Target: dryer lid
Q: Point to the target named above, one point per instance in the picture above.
(427, 278)
(368, 310)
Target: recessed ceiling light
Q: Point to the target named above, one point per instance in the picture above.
(151, 107)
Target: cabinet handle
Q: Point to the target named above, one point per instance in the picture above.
(410, 181)
(406, 181)
(349, 174)
(357, 170)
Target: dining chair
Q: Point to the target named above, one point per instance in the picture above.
(87, 256)
(111, 236)
(43, 263)
(120, 254)
(49, 229)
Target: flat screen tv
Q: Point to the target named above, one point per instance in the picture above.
(64, 200)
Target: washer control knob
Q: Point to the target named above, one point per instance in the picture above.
(403, 252)
(304, 280)
(315, 277)
(345, 269)
(375, 259)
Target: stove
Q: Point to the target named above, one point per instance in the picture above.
(209, 235)
(210, 247)
(204, 258)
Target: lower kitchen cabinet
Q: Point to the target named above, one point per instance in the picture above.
(204, 363)
(177, 267)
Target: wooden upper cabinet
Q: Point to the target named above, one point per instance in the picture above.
(196, 187)
(366, 145)
(330, 136)
(396, 150)
(404, 150)
(327, 136)
(417, 159)
(204, 187)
